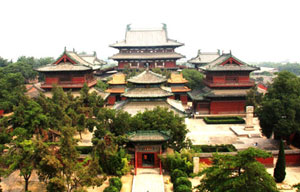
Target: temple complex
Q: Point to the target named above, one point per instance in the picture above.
(227, 82)
(71, 71)
(146, 49)
(178, 87)
(147, 92)
(204, 58)
(116, 87)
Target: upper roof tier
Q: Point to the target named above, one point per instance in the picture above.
(146, 38)
(177, 78)
(117, 79)
(147, 77)
(71, 61)
(204, 57)
(228, 62)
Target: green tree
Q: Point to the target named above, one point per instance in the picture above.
(11, 90)
(4, 62)
(165, 120)
(28, 115)
(238, 173)
(254, 98)
(20, 157)
(279, 171)
(194, 77)
(101, 85)
(280, 108)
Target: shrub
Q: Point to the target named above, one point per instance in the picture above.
(279, 171)
(182, 181)
(224, 120)
(183, 188)
(84, 149)
(111, 189)
(115, 181)
(177, 161)
(176, 173)
(213, 148)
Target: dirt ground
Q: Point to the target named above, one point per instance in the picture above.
(15, 183)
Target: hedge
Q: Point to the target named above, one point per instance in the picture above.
(176, 173)
(224, 120)
(116, 182)
(111, 189)
(213, 148)
(181, 181)
(183, 188)
(84, 149)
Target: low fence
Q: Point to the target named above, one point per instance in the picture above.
(292, 158)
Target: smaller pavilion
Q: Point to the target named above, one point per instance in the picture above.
(147, 145)
(204, 58)
(116, 87)
(178, 88)
(70, 71)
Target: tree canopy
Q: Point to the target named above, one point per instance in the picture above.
(280, 108)
(238, 173)
(194, 77)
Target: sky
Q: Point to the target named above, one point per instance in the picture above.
(254, 30)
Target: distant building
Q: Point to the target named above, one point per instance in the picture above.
(204, 58)
(146, 49)
(71, 71)
(178, 87)
(227, 82)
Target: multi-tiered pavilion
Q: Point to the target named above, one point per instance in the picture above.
(178, 87)
(147, 92)
(227, 83)
(146, 49)
(117, 86)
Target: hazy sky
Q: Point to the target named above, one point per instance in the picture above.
(255, 30)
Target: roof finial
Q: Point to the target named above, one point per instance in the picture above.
(165, 29)
(128, 28)
(230, 52)
(95, 54)
(65, 49)
(199, 52)
(219, 52)
(74, 50)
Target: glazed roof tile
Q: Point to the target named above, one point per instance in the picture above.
(148, 135)
(177, 78)
(116, 90)
(117, 79)
(180, 89)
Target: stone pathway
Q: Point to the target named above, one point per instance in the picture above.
(148, 180)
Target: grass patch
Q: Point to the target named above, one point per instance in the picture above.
(213, 148)
(224, 120)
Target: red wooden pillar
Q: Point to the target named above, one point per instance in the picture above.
(160, 170)
(135, 161)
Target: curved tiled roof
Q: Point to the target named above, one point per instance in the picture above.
(219, 65)
(204, 57)
(147, 77)
(177, 78)
(153, 92)
(146, 38)
(117, 79)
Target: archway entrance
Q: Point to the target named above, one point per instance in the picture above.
(148, 160)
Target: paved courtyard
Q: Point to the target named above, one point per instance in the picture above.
(203, 134)
(148, 180)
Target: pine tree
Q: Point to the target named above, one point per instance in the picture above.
(279, 171)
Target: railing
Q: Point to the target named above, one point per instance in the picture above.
(230, 84)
